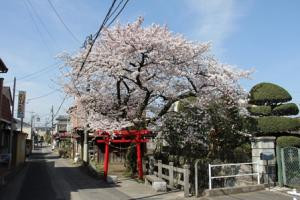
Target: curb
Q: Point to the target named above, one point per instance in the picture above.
(235, 190)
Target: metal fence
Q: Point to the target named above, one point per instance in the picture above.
(233, 174)
(289, 166)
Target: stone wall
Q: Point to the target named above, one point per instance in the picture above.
(264, 145)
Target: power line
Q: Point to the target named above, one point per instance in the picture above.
(64, 99)
(118, 13)
(62, 21)
(106, 19)
(44, 95)
(38, 72)
(40, 20)
(37, 27)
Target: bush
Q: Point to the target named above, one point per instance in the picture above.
(286, 109)
(260, 110)
(242, 153)
(275, 124)
(288, 141)
(263, 93)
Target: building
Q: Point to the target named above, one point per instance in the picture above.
(3, 68)
(62, 124)
(12, 142)
(5, 120)
(26, 127)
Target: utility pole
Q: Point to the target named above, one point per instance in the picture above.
(86, 135)
(85, 142)
(12, 124)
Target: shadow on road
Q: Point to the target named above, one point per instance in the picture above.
(49, 178)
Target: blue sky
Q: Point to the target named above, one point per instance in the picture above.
(263, 35)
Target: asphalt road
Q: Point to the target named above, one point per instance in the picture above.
(48, 177)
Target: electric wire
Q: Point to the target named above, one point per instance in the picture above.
(42, 96)
(94, 40)
(111, 14)
(40, 20)
(106, 19)
(64, 99)
(112, 21)
(38, 71)
(37, 27)
(62, 21)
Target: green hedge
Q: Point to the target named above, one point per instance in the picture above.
(286, 109)
(263, 93)
(288, 141)
(275, 124)
(260, 110)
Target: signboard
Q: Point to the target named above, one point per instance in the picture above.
(21, 104)
(266, 156)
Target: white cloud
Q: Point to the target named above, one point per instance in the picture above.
(215, 20)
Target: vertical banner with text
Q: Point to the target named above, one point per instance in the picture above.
(21, 104)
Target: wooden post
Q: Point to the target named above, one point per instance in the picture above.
(106, 159)
(186, 175)
(171, 174)
(151, 166)
(159, 166)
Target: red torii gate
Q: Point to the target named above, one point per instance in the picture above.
(124, 136)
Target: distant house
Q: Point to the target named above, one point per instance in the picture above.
(42, 130)
(62, 124)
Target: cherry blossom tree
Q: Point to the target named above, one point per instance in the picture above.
(135, 74)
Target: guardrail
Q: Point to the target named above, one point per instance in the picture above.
(231, 175)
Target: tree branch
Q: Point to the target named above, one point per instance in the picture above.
(165, 109)
(192, 84)
(143, 105)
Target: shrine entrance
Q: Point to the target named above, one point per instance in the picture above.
(136, 137)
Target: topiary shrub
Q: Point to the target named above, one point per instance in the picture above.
(286, 109)
(260, 110)
(268, 106)
(274, 124)
(288, 141)
(266, 93)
